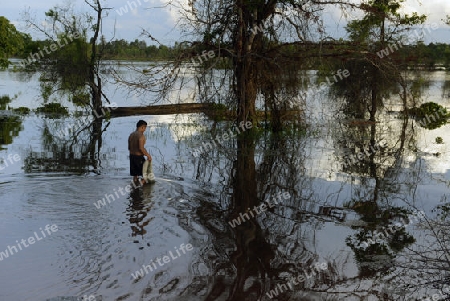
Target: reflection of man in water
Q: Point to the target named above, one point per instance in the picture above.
(136, 143)
(140, 205)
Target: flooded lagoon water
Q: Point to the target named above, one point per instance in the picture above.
(339, 214)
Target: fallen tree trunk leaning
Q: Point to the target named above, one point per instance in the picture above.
(209, 109)
(182, 108)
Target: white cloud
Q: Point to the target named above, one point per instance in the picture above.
(435, 10)
(159, 17)
(174, 8)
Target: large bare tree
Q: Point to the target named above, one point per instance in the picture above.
(259, 45)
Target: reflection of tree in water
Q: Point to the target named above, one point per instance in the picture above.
(4, 101)
(291, 226)
(77, 152)
(404, 264)
(249, 252)
(252, 254)
(427, 262)
(377, 173)
(10, 127)
(377, 243)
(363, 92)
(10, 124)
(25, 76)
(267, 250)
(270, 248)
(381, 198)
(446, 89)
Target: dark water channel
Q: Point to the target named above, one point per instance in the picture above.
(339, 210)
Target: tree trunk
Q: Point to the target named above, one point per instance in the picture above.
(246, 90)
(94, 79)
(245, 80)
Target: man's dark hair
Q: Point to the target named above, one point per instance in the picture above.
(141, 123)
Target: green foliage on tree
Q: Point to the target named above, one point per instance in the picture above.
(136, 50)
(11, 41)
(53, 108)
(72, 63)
(68, 62)
(66, 56)
(382, 22)
(378, 37)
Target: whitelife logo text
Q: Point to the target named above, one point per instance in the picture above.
(11, 250)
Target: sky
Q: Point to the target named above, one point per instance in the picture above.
(129, 17)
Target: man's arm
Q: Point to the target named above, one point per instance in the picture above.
(142, 148)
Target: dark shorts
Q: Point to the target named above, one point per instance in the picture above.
(136, 163)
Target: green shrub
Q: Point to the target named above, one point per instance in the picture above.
(53, 108)
(430, 115)
(4, 101)
(80, 99)
(22, 110)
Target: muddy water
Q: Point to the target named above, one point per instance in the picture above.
(178, 234)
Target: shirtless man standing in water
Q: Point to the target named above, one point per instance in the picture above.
(136, 143)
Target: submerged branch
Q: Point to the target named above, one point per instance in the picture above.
(211, 110)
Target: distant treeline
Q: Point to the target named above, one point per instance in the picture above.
(425, 55)
(431, 54)
(136, 50)
(117, 49)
